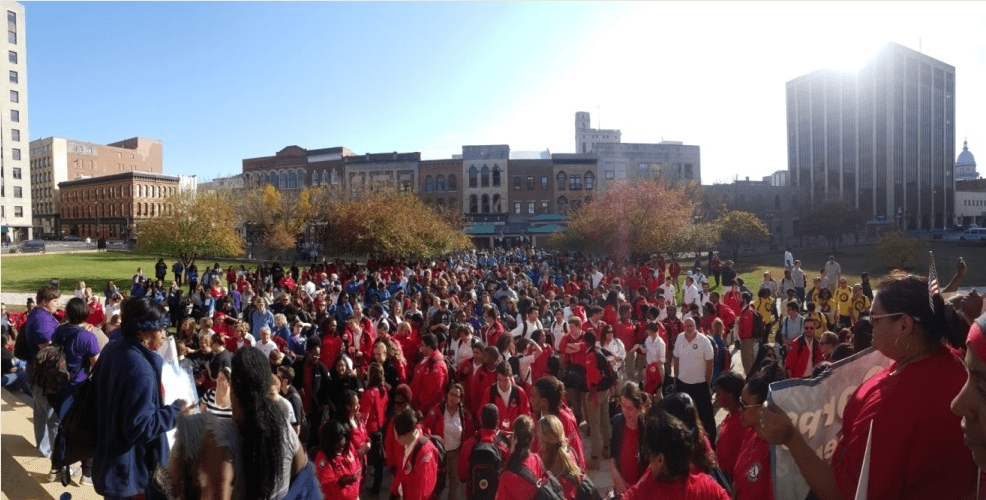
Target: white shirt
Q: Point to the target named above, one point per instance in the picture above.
(525, 367)
(668, 293)
(309, 288)
(559, 330)
(689, 295)
(788, 259)
(266, 348)
(615, 347)
(463, 350)
(287, 409)
(453, 431)
(596, 279)
(810, 366)
(655, 349)
(692, 357)
(832, 270)
(518, 332)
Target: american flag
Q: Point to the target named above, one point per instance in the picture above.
(932, 282)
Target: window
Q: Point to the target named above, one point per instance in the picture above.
(314, 178)
(497, 207)
(530, 183)
(574, 182)
(610, 174)
(15, 116)
(15, 135)
(561, 179)
(485, 176)
(544, 207)
(18, 211)
(17, 173)
(15, 154)
(452, 183)
(486, 204)
(473, 204)
(590, 179)
(583, 148)
(273, 179)
(15, 96)
(284, 181)
(530, 207)
(517, 207)
(544, 182)
(473, 177)
(12, 37)
(12, 57)
(562, 204)
(496, 176)
(643, 170)
(18, 192)
(429, 184)
(335, 177)
(13, 77)
(293, 180)
(11, 18)
(325, 176)
(440, 184)
(517, 183)
(688, 171)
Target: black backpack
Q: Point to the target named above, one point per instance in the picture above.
(484, 470)
(586, 489)
(609, 376)
(20, 346)
(442, 475)
(548, 487)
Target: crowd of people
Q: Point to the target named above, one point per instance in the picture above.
(478, 375)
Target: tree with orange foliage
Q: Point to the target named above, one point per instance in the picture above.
(200, 225)
(644, 216)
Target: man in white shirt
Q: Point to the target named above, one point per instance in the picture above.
(531, 323)
(833, 271)
(788, 259)
(655, 353)
(693, 355)
(792, 326)
(462, 347)
(668, 291)
(798, 275)
(596, 277)
(689, 294)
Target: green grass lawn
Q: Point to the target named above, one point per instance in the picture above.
(26, 273)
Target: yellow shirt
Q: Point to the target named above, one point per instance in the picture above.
(859, 304)
(827, 308)
(766, 309)
(843, 300)
(821, 323)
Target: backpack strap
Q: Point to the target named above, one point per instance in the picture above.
(524, 472)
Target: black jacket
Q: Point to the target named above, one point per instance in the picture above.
(320, 382)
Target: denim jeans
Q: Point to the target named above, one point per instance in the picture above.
(45, 422)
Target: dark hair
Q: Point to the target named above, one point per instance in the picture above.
(551, 389)
(503, 368)
(263, 424)
(731, 383)
(590, 339)
(758, 384)
(681, 406)
(631, 391)
(907, 294)
(746, 297)
(137, 313)
(430, 340)
(554, 365)
(489, 418)
(841, 351)
(312, 344)
(405, 421)
(668, 436)
(47, 292)
(286, 372)
(862, 336)
(523, 428)
(333, 432)
(76, 311)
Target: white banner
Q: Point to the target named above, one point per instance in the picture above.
(816, 407)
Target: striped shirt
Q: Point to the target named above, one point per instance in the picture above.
(212, 407)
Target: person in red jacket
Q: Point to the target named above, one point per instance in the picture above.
(670, 445)
(546, 399)
(418, 470)
(483, 379)
(373, 412)
(430, 375)
(336, 467)
(513, 486)
(465, 374)
(744, 330)
(450, 421)
(806, 352)
(491, 332)
(488, 433)
(728, 389)
(393, 449)
(508, 398)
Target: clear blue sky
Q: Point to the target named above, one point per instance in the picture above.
(219, 82)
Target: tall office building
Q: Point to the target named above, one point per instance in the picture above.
(882, 139)
(15, 180)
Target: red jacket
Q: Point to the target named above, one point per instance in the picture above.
(428, 383)
(514, 487)
(797, 358)
(332, 474)
(434, 422)
(540, 365)
(727, 314)
(481, 382)
(464, 375)
(483, 436)
(517, 404)
(331, 347)
(745, 328)
(416, 477)
(365, 344)
(373, 409)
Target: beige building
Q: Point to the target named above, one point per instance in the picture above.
(57, 159)
(369, 172)
(16, 213)
(484, 173)
(587, 137)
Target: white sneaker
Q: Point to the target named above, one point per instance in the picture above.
(85, 481)
(56, 475)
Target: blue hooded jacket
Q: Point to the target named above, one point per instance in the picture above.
(131, 418)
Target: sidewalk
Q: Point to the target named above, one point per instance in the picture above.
(25, 471)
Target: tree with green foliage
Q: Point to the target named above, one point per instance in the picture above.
(737, 227)
(198, 225)
(833, 220)
(899, 249)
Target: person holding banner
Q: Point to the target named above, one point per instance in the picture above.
(917, 443)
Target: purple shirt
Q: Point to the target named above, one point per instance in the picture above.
(80, 344)
(39, 327)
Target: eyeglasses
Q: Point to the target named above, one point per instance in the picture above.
(746, 406)
(874, 317)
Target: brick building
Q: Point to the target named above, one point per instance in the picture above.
(297, 168)
(108, 206)
(575, 180)
(57, 159)
(531, 187)
(439, 182)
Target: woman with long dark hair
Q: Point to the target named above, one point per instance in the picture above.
(681, 406)
(512, 485)
(336, 466)
(627, 442)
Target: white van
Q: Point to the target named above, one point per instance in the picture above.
(974, 234)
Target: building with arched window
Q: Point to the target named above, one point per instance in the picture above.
(445, 187)
(485, 168)
(109, 205)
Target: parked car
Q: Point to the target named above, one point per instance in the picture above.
(72, 237)
(32, 246)
(974, 234)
